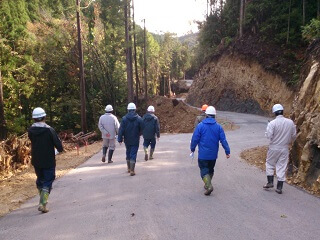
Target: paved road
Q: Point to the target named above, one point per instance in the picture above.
(165, 199)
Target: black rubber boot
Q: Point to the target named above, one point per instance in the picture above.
(110, 153)
(145, 153)
(128, 166)
(104, 153)
(279, 187)
(132, 166)
(270, 182)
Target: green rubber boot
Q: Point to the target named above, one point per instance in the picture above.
(44, 200)
(151, 153)
(128, 166)
(208, 186)
(132, 166)
(146, 153)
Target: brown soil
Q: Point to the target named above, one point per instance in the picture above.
(177, 117)
(21, 186)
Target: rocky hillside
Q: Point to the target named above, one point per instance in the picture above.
(234, 82)
(248, 76)
(305, 153)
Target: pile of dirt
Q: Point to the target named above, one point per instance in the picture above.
(256, 156)
(176, 116)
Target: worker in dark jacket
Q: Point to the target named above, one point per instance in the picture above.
(207, 136)
(44, 140)
(150, 131)
(130, 130)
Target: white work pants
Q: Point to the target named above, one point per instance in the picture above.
(109, 143)
(277, 158)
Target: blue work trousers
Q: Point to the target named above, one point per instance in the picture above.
(45, 177)
(151, 142)
(131, 152)
(206, 167)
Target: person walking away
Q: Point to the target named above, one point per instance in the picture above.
(281, 132)
(201, 116)
(44, 140)
(130, 130)
(151, 130)
(207, 136)
(109, 127)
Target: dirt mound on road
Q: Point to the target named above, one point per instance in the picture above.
(175, 116)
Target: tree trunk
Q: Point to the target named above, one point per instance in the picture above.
(241, 19)
(3, 125)
(303, 12)
(135, 55)
(288, 31)
(318, 12)
(145, 61)
(128, 50)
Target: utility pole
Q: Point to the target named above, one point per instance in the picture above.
(135, 55)
(145, 61)
(128, 50)
(81, 73)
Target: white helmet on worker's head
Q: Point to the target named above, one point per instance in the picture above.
(131, 106)
(150, 109)
(211, 110)
(277, 107)
(108, 108)
(38, 113)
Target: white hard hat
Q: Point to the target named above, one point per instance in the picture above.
(131, 106)
(108, 108)
(38, 113)
(150, 109)
(211, 110)
(277, 107)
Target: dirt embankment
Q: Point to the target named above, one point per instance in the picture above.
(233, 82)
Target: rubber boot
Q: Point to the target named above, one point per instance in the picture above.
(132, 166)
(104, 153)
(146, 153)
(44, 200)
(110, 153)
(151, 153)
(207, 181)
(270, 182)
(211, 176)
(279, 187)
(128, 165)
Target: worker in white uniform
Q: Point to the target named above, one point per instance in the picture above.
(281, 132)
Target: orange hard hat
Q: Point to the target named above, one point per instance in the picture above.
(204, 107)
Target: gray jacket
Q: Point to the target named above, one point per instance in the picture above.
(108, 125)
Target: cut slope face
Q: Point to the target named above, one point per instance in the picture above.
(234, 83)
(305, 153)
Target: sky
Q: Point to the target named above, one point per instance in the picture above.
(175, 16)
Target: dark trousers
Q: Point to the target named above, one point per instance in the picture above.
(45, 177)
(206, 167)
(131, 152)
(151, 142)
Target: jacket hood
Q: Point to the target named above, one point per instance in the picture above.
(209, 121)
(149, 116)
(131, 116)
(38, 128)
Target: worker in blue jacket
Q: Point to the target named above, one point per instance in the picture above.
(207, 135)
(130, 130)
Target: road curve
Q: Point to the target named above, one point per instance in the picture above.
(165, 199)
